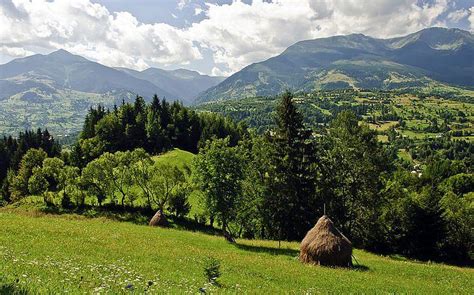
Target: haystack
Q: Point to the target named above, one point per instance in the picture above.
(159, 219)
(325, 245)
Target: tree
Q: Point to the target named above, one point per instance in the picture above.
(32, 159)
(69, 179)
(97, 181)
(352, 168)
(52, 169)
(38, 185)
(165, 181)
(289, 203)
(142, 173)
(218, 171)
(118, 169)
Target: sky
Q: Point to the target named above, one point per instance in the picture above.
(216, 37)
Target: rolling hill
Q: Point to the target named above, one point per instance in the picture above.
(431, 56)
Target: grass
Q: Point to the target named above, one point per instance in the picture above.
(175, 157)
(69, 253)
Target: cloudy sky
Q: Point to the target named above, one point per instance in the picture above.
(215, 37)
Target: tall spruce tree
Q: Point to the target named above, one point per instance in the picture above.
(289, 203)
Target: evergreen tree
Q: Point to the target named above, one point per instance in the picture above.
(290, 201)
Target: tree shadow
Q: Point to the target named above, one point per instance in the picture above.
(359, 267)
(12, 289)
(136, 215)
(191, 225)
(268, 250)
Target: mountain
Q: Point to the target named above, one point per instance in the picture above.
(185, 84)
(434, 55)
(62, 70)
(56, 90)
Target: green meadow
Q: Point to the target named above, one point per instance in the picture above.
(52, 254)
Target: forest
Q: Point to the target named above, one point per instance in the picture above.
(266, 183)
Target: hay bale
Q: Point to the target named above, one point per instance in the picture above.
(159, 219)
(325, 245)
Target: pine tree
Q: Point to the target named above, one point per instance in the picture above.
(289, 203)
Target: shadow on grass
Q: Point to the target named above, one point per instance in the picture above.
(12, 289)
(136, 215)
(359, 267)
(268, 250)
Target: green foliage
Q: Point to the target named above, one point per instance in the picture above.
(12, 149)
(218, 172)
(288, 203)
(354, 160)
(94, 178)
(155, 127)
(31, 160)
(164, 184)
(212, 270)
(179, 204)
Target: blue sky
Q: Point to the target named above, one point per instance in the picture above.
(214, 37)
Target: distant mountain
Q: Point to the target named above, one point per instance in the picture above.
(62, 70)
(434, 55)
(182, 83)
(56, 90)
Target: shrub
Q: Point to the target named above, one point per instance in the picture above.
(212, 269)
(179, 204)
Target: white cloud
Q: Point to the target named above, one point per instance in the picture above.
(15, 51)
(471, 18)
(457, 15)
(198, 10)
(181, 4)
(240, 33)
(237, 33)
(88, 29)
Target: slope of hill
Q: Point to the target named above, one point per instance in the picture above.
(431, 56)
(73, 254)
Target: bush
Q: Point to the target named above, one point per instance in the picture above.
(212, 269)
(179, 204)
(200, 218)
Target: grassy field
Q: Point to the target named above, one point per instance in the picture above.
(68, 253)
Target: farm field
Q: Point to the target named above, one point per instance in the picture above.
(69, 253)
(414, 116)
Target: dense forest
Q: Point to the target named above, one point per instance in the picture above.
(270, 184)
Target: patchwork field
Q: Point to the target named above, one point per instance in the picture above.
(68, 253)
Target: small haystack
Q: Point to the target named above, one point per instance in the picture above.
(325, 245)
(159, 219)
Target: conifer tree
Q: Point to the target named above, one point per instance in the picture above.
(289, 203)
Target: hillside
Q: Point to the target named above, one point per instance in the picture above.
(74, 254)
(431, 56)
(419, 111)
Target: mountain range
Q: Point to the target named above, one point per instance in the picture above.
(45, 76)
(57, 89)
(430, 56)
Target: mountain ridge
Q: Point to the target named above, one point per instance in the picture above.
(433, 55)
(64, 70)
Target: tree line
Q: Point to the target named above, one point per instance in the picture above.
(155, 127)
